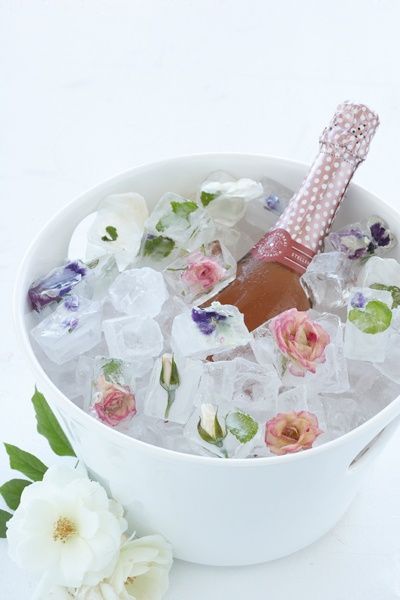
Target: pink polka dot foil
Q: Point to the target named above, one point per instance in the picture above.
(344, 143)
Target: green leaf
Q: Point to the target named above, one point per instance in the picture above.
(112, 234)
(183, 209)
(393, 289)
(4, 517)
(49, 427)
(112, 368)
(375, 318)
(12, 490)
(242, 426)
(25, 462)
(206, 198)
(158, 247)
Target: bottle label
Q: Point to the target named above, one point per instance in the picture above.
(279, 246)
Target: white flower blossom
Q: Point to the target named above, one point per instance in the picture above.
(118, 228)
(66, 529)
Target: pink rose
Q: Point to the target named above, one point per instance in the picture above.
(203, 271)
(291, 432)
(300, 340)
(116, 403)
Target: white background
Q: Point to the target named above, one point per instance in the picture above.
(93, 87)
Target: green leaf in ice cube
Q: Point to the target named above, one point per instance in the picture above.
(206, 198)
(112, 234)
(375, 318)
(112, 368)
(183, 209)
(158, 246)
(393, 289)
(242, 426)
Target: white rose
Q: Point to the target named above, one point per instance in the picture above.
(66, 528)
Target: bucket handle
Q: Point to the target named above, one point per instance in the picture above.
(374, 446)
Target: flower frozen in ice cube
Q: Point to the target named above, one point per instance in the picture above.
(369, 319)
(73, 328)
(382, 274)
(56, 284)
(118, 228)
(205, 331)
(362, 240)
(291, 432)
(225, 198)
(112, 398)
(201, 274)
(169, 379)
(209, 428)
(301, 340)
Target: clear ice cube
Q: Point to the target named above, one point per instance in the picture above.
(202, 332)
(369, 318)
(134, 339)
(72, 329)
(139, 292)
(328, 280)
(171, 398)
(197, 276)
(255, 388)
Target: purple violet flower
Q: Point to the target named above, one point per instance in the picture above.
(71, 302)
(380, 234)
(56, 284)
(358, 300)
(272, 202)
(207, 320)
(352, 242)
(70, 323)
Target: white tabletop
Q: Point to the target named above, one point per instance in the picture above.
(94, 87)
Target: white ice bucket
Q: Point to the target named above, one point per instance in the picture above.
(213, 511)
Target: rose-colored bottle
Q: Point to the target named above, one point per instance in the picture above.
(268, 277)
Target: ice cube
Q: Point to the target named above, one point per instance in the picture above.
(73, 328)
(181, 220)
(134, 339)
(156, 251)
(111, 396)
(171, 308)
(56, 284)
(328, 280)
(368, 323)
(362, 240)
(139, 292)
(225, 197)
(173, 385)
(101, 274)
(262, 212)
(216, 383)
(390, 366)
(118, 228)
(255, 388)
(382, 274)
(224, 431)
(199, 275)
(202, 332)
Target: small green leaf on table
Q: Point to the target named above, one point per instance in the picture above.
(49, 427)
(12, 490)
(25, 463)
(4, 517)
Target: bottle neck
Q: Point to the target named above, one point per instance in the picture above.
(301, 229)
(309, 215)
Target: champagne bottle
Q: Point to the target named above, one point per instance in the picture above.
(268, 276)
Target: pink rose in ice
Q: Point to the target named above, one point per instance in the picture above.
(203, 271)
(300, 340)
(116, 403)
(290, 432)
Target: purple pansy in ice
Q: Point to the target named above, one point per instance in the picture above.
(70, 323)
(272, 202)
(352, 242)
(358, 300)
(207, 320)
(71, 302)
(56, 284)
(380, 233)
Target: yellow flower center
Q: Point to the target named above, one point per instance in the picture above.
(64, 529)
